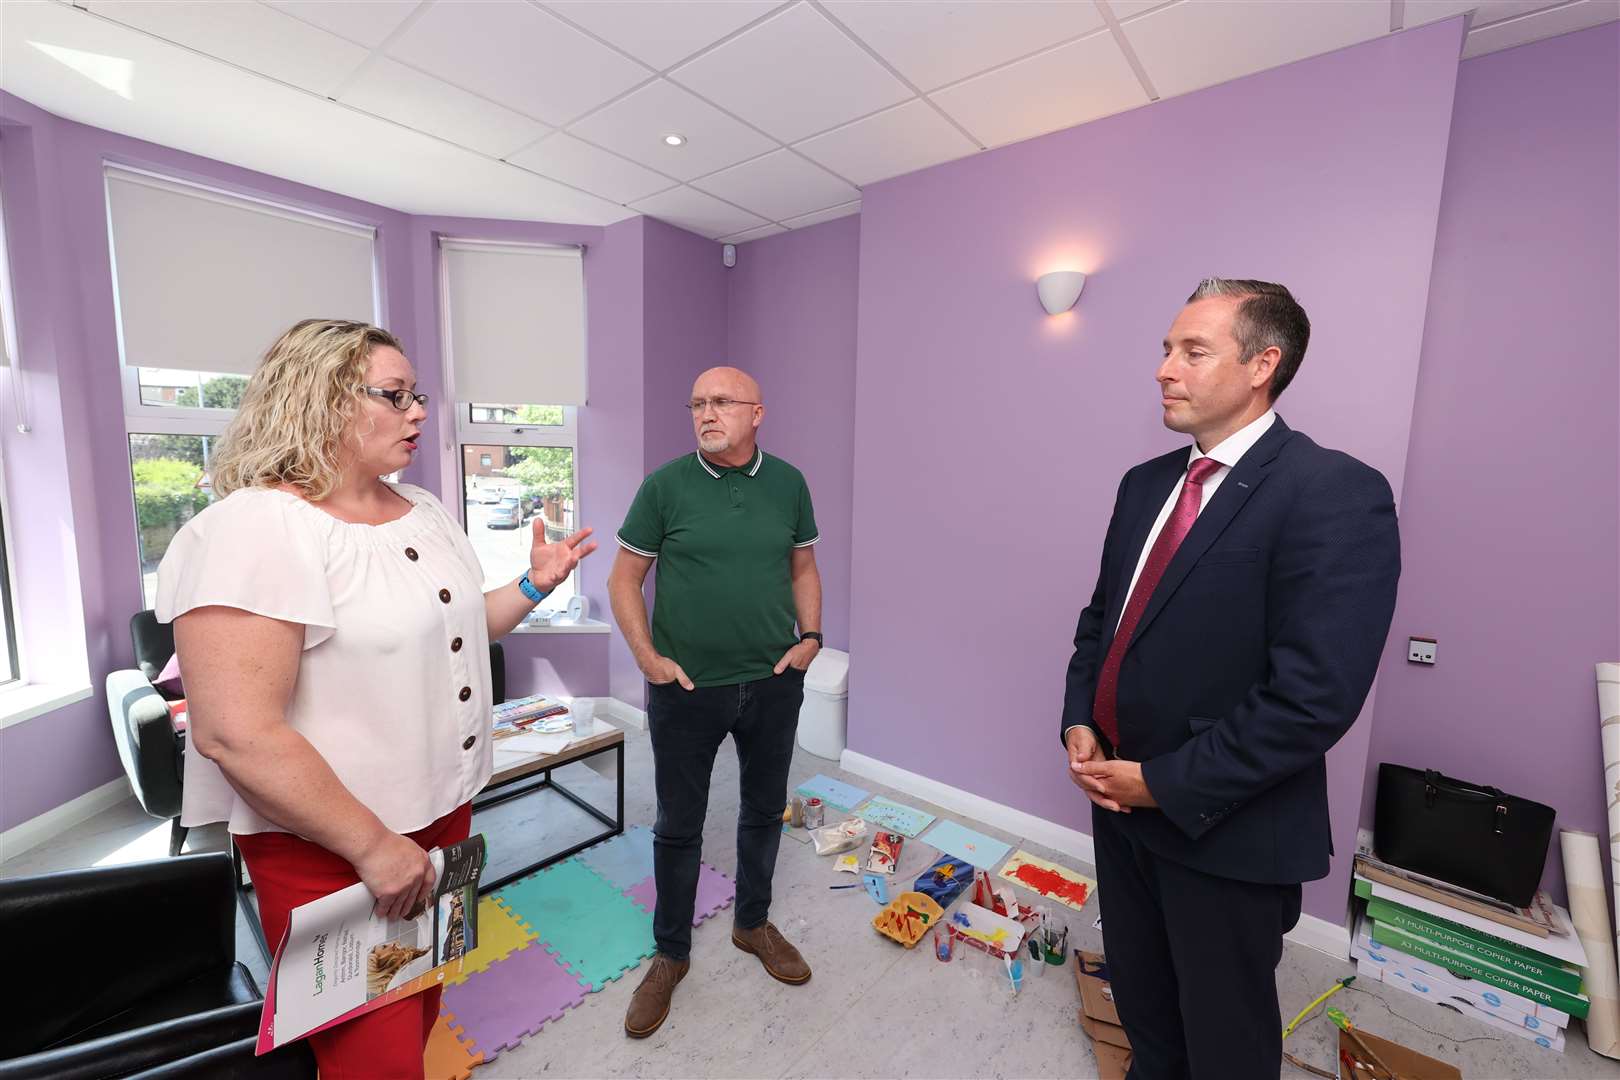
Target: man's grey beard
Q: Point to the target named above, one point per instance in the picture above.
(714, 442)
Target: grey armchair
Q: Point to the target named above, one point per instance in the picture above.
(148, 744)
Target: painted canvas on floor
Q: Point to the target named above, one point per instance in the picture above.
(895, 817)
(1049, 879)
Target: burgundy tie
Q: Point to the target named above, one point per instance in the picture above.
(1164, 549)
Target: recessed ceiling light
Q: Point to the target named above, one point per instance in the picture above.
(673, 139)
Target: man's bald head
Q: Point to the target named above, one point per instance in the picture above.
(727, 410)
(727, 382)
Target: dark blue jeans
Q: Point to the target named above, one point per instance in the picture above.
(687, 727)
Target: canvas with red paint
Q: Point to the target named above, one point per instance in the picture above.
(1051, 880)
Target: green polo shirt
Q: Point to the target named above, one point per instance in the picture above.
(723, 537)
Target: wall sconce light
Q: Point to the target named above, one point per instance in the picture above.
(1059, 290)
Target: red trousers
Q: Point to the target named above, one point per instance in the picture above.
(288, 871)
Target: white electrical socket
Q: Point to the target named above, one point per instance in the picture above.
(1420, 650)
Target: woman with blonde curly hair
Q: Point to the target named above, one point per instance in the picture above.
(333, 638)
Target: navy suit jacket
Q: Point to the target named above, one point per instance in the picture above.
(1254, 655)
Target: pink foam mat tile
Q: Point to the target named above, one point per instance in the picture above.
(715, 892)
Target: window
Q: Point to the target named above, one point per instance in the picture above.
(514, 331)
(8, 647)
(170, 478)
(527, 476)
(189, 337)
(9, 670)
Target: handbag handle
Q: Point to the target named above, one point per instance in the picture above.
(1434, 782)
(1433, 779)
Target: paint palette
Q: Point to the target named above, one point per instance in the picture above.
(908, 917)
(984, 929)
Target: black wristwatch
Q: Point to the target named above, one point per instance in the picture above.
(816, 634)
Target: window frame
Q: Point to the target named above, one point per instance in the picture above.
(8, 384)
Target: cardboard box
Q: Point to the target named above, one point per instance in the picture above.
(1098, 1017)
(1096, 996)
(1409, 1063)
(1112, 1062)
(1102, 1032)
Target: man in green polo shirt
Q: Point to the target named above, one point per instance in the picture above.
(731, 530)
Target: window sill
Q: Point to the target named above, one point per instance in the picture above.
(564, 626)
(25, 701)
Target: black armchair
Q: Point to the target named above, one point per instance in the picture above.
(132, 968)
(152, 751)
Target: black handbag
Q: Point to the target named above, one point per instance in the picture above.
(1478, 837)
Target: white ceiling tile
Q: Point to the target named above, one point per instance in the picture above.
(406, 96)
(937, 43)
(1057, 89)
(1199, 43)
(1544, 24)
(900, 140)
(636, 125)
(1419, 12)
(753, 234)
(793, 75)
(292, 133)
(518, 55)
(1127, 9)
(828, 214)
(368, 22)
(563, 157)
(779, 185)
(697, 212)
(662, 32)
(249, 35)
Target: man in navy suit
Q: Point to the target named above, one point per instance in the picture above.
(1246, 589)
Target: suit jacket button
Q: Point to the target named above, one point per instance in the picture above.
(467, 744)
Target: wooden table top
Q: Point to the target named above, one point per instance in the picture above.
(603, 736)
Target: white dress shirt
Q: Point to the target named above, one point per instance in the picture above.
(393, 684)
(1228, 454)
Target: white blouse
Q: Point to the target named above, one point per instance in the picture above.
(393, 686)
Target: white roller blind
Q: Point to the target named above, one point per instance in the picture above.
(207, 281)
(516, 316)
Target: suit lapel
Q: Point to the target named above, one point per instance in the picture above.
(1235, 490)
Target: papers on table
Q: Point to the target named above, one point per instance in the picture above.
(535, 742)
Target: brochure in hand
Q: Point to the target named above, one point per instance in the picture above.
(338, 959)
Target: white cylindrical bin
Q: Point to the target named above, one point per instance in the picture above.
(824, 716)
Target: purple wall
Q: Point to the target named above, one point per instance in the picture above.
(1511, 521)
(994, 436)
(685, 328)
(792, 325)
(611, 457)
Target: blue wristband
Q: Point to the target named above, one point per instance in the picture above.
(528, 589)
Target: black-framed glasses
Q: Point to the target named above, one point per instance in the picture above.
(697, 405)
(402, 399)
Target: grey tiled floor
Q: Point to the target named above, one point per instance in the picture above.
(872, 1009)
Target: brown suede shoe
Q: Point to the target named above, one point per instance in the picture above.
(780, 959)
(649, 1005)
